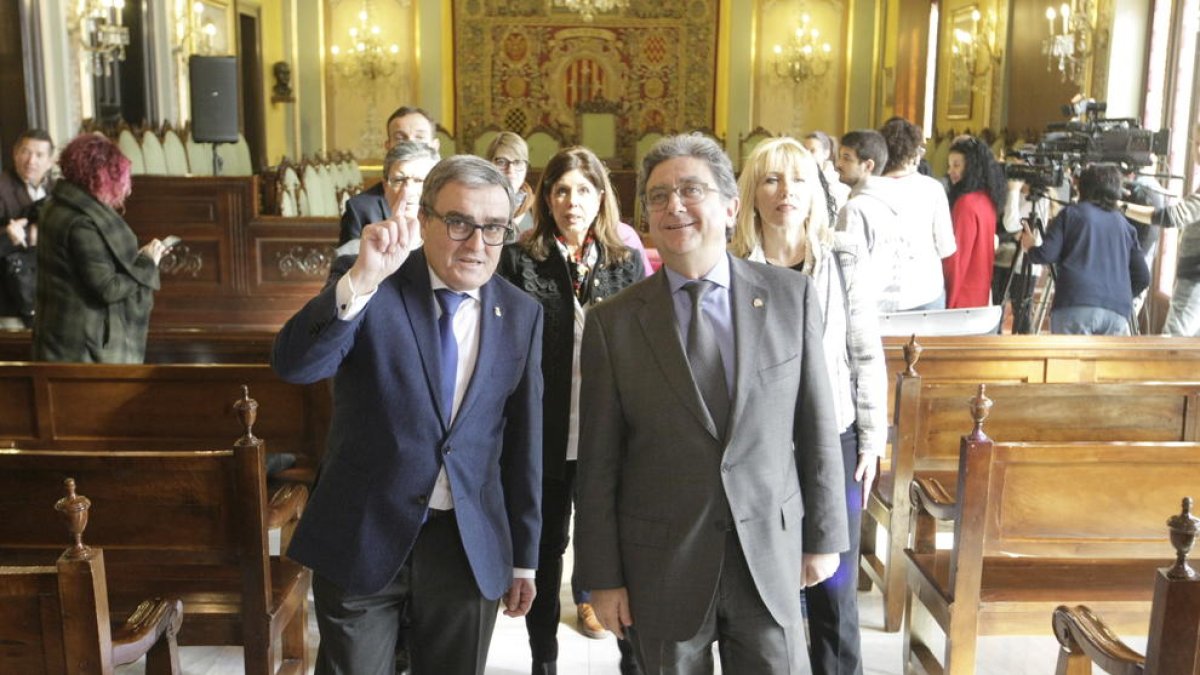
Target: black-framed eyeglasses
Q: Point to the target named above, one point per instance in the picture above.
(690, 194)
(404, 181)
(503, 164)
(462, 229)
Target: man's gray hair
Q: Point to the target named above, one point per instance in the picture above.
(471, 171)
(408, 151)
(694, 145)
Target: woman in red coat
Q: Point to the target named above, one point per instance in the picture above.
(977, 191)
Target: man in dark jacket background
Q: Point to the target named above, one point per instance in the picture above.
(22, 189)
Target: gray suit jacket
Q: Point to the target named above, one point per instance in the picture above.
(658, 490)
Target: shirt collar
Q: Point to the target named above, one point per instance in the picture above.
(719, 275)
(436, 282)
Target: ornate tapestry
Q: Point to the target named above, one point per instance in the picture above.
(526, 66)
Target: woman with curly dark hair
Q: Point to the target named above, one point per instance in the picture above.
(95, 286)
(977, 192)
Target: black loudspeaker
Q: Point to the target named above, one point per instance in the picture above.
(214, 98)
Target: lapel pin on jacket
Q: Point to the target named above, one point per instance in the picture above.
(497, 311)
(757, 302)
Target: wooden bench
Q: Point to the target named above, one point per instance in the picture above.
(1036, 525)
(1043, 358)
(55, 618)
(173, 345)
(191, 522)
(157, 407)
(925, 435)
(1173, 647)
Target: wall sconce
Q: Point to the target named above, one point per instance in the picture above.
(367, 59)
(1072, 39)
(802, 59)
(193, 34)
(587, 8)
(103, 34)
(975, 50)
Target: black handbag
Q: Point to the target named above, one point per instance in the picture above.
(19, 271)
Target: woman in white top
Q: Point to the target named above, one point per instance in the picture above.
(783, 221)
(927, 233)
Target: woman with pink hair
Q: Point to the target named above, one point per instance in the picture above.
(95, 286)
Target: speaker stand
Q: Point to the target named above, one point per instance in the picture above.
(217, 161)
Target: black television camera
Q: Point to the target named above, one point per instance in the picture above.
(1089, 139)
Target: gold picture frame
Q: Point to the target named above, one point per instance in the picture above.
(958, 81)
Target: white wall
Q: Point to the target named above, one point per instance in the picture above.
(1127, 58)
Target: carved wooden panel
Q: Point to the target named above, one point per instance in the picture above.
(234, 268)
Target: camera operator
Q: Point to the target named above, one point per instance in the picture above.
(1184, 316)
(1099, 265)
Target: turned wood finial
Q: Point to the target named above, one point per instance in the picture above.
(74, 511)
(1183, 534)
(247, 411)
(912, 354)
(981, 405)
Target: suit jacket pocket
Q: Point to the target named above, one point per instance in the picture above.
(779, 370)
(639, 531)
(791, 512)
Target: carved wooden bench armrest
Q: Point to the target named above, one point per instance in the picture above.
(154, 625)
(929, 496)
(286, 505)
(930, 503)
(1084, 637)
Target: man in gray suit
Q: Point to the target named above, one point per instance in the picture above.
(710, 475)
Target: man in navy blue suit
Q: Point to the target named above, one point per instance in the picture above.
(429, 494)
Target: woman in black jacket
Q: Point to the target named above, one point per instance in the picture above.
(572, 258)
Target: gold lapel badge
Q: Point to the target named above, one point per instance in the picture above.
(757, 302)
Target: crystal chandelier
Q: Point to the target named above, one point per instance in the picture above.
(1072, 40)
(102, 32)
(802, 59)
(368, 58)
(587, 9)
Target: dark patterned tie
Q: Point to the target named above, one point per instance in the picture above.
(449, 301)
(704, 357)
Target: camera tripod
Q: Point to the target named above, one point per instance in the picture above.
(1028, 316)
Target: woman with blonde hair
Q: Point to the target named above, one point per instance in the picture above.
(783, 221)
(510, 153)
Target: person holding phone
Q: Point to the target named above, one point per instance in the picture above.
(95, 285)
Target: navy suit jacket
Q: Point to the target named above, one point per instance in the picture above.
(364, 208)
(389, 436)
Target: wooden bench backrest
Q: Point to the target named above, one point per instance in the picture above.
(155, 407)
(1126, 487)
(155, 513)
(31, 620)
(1047, 358)
(929, 418)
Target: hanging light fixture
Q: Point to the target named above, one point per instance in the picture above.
(803, 58)
(194, 34)
(368, 58)
(102, 32)
(1072, 39)
(587, 9)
